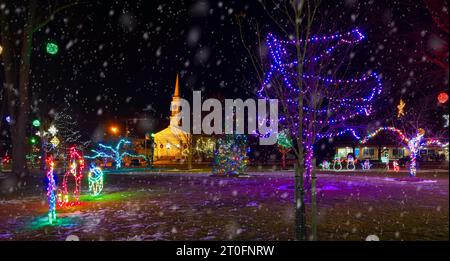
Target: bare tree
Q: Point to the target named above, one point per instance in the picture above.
(295, 20)
(17, 31)
(313, 77)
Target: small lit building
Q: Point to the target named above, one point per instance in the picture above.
(434, 152)
(371, 151)
(172, 143)
(376, 148)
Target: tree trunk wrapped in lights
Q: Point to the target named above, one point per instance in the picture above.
(328, 101)
(51, 190)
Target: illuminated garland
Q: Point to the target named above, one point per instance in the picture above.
(51, 190)
(114, 153)
(436, 142)
(75, 171)
(390, 129)
(277, 52)
(283, 140)
(339, 133)
(95, 179)
(230, 155)
(329, 112)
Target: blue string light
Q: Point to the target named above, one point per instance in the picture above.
(114, 153)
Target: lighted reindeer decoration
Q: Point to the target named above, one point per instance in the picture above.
(75, 171)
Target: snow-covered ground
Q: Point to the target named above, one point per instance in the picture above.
(181, 206)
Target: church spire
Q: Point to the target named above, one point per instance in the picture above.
(176, 93)
(175, 105)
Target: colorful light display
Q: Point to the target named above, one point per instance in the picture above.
(230, 155)
(51, 190)
(337, 163)
(329, 115)
(366, 165)
(325, 165)
(394, 130)
(284, 146)
(95, 179)
(442, 97)
(55, 141)
(385, 159)
(51, 48)
(436, 142)
(350, 163)
(75, 172)
(52, 130)
(114, 153)
(401, 109)
(414, 145)
(395, 166)
(36, 123)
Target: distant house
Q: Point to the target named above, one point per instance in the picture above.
(382, 144)
(371, 151)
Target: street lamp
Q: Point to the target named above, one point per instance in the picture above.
(114, 130)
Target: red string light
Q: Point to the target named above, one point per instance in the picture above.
(75, 171)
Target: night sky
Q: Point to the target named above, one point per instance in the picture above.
(119, 59)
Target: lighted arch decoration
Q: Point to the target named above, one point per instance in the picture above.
(412, 144)
(394, 130)
(74, 172)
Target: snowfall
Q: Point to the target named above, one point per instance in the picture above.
(260, 206)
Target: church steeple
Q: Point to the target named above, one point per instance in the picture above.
(175, 105)
(176, 93)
